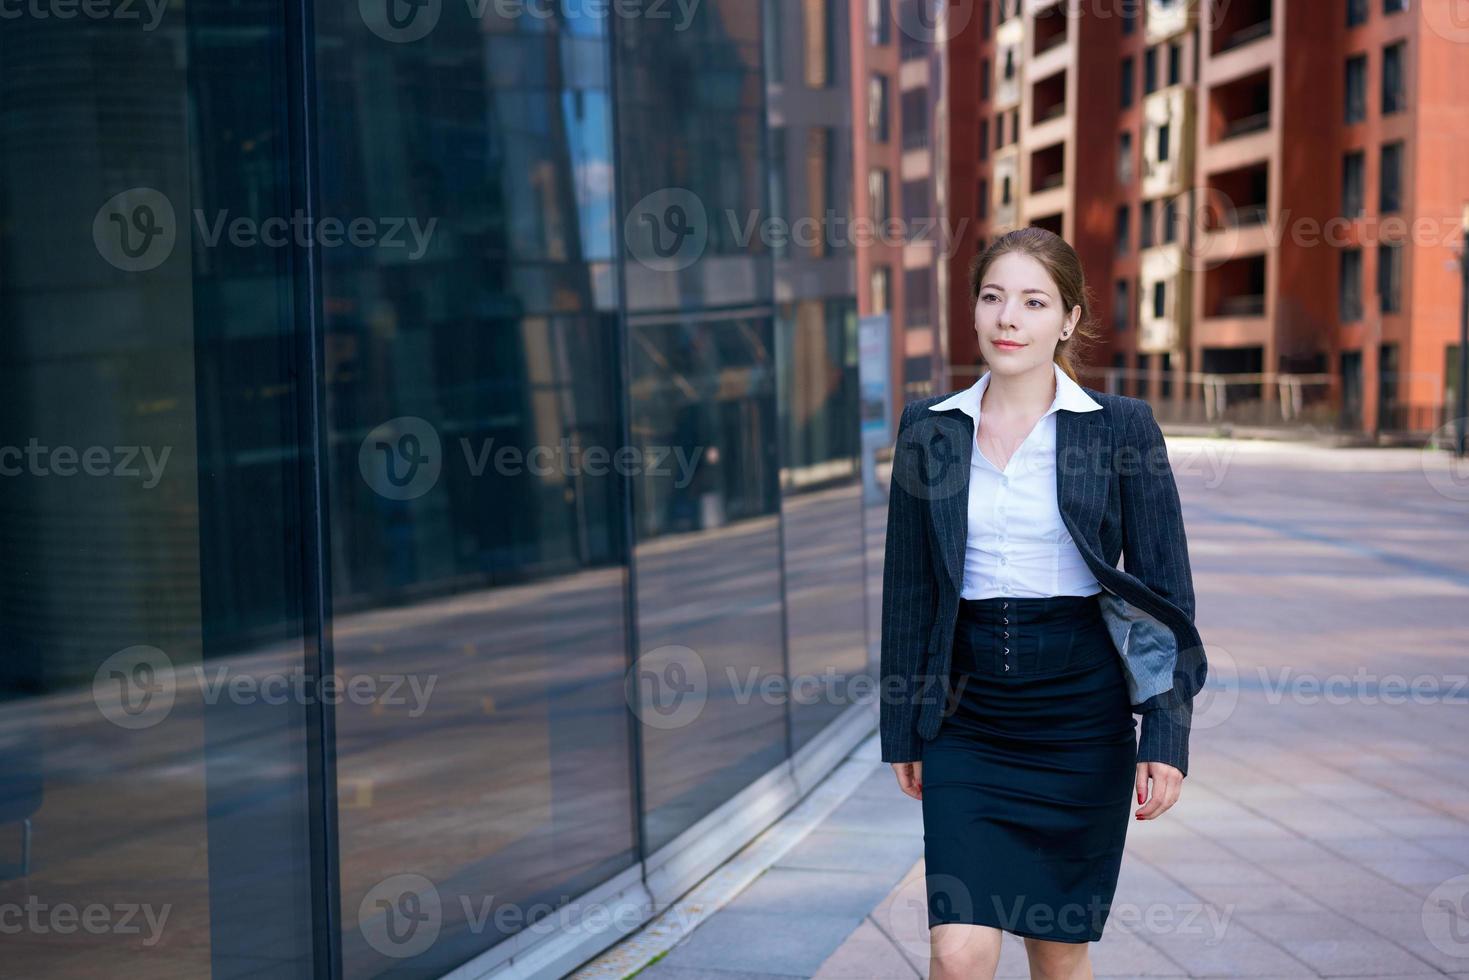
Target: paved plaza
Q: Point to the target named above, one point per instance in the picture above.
(1323, 829)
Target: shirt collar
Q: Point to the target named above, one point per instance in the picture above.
(1069, 395)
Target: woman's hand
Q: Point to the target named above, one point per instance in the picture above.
(1167, 784)
(910, 778)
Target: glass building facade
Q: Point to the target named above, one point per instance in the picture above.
(419, 438)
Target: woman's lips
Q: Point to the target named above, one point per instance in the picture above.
(1005, 345)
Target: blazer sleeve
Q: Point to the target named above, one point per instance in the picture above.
(909, 601)
(1155, 550)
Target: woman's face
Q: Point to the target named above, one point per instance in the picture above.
(1018, 317)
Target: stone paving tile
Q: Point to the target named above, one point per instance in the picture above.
(759, 942)
(832, 850)
(868, 954)
(797, 892)
(1365, 956)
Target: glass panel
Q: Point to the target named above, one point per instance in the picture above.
(154, 696)
(476, 531)
(702, 363)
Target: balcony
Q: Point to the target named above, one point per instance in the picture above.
(1168, 141)
(1240, 107)
(1050, 29)
(1238, 22)
(1236, 289)
(1048, 99)
(1238, 198)
(1048, 168)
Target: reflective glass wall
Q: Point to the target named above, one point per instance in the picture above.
(420, 450)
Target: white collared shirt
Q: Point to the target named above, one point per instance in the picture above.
(1017, 544)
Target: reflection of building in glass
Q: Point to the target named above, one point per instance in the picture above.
(537, 434)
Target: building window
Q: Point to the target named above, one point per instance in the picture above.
(1129, 16)
(915, 119)
(1124, 229)
(820, 42)
(1124, 157)
(1356, 88)
(1390, 276)
(917, 301)
(1005, 195)
(879, 22)
(984, 198)
(1352, 201)
(1120, 305)
(984, 19)
(1010, 63)
(1356, 13)
(1349, 286)
(1175, 63)
(1145, 225)
(911, 45)
(984, 139)
(821, 191)
(774, 62)
(1160, 299)
(1392, 79)
(1163, 140)
(915, 200)
(999, 130)
(877, 108)
(1170, 220)
(881, 285)
(984, 78)
(1394, 6)
(879, 195)
(1127, 82)
(1390, 178)
(1150, 70)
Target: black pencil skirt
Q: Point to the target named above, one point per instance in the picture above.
(1028, 785)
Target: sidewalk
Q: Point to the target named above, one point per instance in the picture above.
(1324, 826)
(1262, 899)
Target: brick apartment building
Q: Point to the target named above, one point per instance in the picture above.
(1266, 194)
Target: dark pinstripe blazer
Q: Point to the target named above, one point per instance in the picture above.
(1117, 497)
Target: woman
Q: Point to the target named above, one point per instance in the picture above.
(1014, 651)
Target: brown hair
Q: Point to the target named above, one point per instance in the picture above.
(1064, 266)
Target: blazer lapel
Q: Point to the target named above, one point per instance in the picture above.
(1082, 446)
(950, 452)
